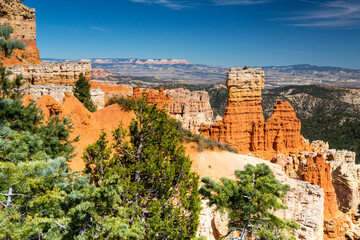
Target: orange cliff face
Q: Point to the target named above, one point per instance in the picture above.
(317, 171)
(243, 125)
(22, 19)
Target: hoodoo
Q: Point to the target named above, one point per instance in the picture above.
(243, 125)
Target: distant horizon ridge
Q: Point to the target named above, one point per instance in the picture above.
(184, 61)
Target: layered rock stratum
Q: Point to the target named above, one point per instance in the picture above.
(58, 92)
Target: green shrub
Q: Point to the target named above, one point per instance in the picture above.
(7, 45)
(127, 104)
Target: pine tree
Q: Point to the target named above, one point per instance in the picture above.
(8, 45)
(97, 160)
(82, 92)
(251, 201)
(158, 188)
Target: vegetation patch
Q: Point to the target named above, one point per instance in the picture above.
(82, 92)
(204, 143)
(127, 104)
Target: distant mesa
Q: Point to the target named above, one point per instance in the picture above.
(143, 61)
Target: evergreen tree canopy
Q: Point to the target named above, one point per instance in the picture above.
(39, 197)
(82, 92)
(8, 45)
(251, 201)
(158, 187)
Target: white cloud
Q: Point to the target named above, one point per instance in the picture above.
(181, 4)
(336, 14)
(239, 2)
(100, 29)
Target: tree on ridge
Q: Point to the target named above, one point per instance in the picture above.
(251, 201)
(81, 91)
(159, 189)
(6, 44)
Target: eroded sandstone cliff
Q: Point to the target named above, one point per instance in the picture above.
(66, 73)
(305, 201)
(58, 93)
(336, 173)
(22, 19)
(190, 108)
(243, 125)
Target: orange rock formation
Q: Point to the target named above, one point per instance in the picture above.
(112, 91)
(158, 97)
(190, 108)
(22, 19)
(282, 130)
(317, 171)
(243, 125)
(87, 125)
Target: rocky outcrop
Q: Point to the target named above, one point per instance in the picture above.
(190, 108)
(212, 224)
(243, 125)
(345, 174)
(317, 171)
(98, 97)
(22, 19)
(345, 178)
(305, 202)
(337, 174)
(111, 90)
(157, 97)
(57, 92)
(66, 73)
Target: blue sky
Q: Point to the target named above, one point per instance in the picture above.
(217, 32)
